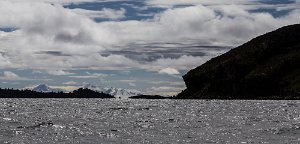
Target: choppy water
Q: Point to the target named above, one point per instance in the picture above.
(148, 121)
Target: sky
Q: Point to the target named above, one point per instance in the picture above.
(146, 45)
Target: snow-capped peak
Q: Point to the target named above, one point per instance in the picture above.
(117, 92)
(45, 88)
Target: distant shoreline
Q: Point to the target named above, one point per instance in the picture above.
(80, 93)
(87, 93)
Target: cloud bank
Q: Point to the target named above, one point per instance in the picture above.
(51, 27)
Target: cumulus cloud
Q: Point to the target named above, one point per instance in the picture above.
(59, 72)
(182, 63)
(106, 13)
(169, 71)
(206, 24)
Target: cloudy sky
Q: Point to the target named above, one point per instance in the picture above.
(145, 45)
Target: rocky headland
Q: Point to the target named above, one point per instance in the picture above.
(267, 67)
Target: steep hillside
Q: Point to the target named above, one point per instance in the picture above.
(267, 67)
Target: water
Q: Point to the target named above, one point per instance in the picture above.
(148, 121)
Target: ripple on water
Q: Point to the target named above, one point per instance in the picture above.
(148, 121)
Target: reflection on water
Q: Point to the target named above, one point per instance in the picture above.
(148, 121)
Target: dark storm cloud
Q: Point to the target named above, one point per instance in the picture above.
(153, 51)
(53, 53)
(80, 37)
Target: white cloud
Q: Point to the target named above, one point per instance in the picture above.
(182, 63)
(202, 23)
(59, 72)
(70, 83)
(169, 71)
(104, 13)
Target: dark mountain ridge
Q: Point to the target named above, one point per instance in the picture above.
(267, 67)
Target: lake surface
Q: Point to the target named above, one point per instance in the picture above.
(148, 121)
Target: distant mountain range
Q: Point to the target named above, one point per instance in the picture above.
(117, 92)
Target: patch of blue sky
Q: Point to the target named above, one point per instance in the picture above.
(135, 10)
(277, 1)
(6, 82)
(8, 29)
(274, 12)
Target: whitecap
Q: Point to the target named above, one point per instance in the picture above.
(7, 119)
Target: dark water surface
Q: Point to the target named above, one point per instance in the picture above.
(148, 121)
